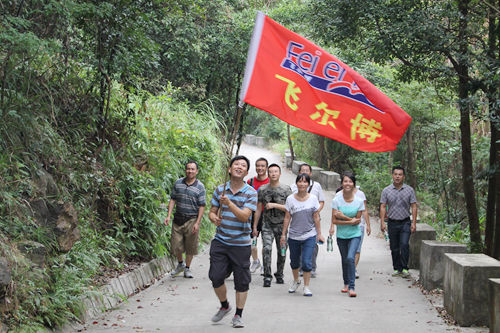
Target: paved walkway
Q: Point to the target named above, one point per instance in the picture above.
(384, 304)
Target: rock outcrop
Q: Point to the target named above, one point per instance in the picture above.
(59, 217)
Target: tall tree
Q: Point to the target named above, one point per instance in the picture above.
(439, 41)
(492, 90)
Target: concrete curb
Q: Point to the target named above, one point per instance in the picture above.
(117, 290)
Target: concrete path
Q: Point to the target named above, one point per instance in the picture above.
(384, 304)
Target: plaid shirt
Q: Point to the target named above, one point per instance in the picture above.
(399, 201)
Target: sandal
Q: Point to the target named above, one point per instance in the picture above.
(352, 293)
(344, 290)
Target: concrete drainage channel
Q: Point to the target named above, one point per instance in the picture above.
(119, 289)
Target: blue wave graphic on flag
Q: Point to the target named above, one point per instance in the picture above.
(340, 88)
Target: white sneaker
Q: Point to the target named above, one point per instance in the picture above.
(237, 322)
(178, 270)
(307, 291)
(293, 286)
(187, 273)
(254, 266)
(221, 313)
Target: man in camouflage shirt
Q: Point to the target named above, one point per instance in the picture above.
(272, 197)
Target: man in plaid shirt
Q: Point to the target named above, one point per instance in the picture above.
(396, 201)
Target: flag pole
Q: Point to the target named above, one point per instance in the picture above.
(251, 56)
(233, 138)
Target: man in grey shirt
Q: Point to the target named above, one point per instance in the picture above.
(188, 196)
(400, 198)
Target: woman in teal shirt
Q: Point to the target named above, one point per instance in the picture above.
(346, 214)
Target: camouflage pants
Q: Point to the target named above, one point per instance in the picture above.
(270, 232)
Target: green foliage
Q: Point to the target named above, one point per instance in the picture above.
(82, 100)
(261, 123)
(167, 135)
(120, 197)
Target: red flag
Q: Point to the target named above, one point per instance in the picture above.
(300, 83)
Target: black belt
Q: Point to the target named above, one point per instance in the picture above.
(399, 221)
(180, 219)
(187, 216)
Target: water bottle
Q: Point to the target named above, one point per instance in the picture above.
(329, 244)
(386, 236)
(283, 250)
(254, 241)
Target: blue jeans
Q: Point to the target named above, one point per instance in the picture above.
(347, 249)
(362, 228)
(301, 251)
(399, 239)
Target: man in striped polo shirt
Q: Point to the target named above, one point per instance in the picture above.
(230, 249)
(400, 198)
(188, 196)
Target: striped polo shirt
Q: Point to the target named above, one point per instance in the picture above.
(188, 198)
(232, 231)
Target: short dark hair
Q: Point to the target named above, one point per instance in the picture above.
(240, 157)
(398, 167)
(303, 176)
(191, 162)
(349, 175)
(262, 159)
(307, 165)
(273, 165)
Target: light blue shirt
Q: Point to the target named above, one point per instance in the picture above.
(349, 209)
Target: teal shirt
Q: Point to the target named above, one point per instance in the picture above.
(349, 209)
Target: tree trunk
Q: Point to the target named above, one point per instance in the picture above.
(467, 169)
(496, 239)
(492, 230)
(412, 168)
(290, 142)
(321, 153)
(443, 184)
(467, 176)
(496, 123)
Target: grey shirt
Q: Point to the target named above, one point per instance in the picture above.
(399, 201)
(188, 198)
(302, 224)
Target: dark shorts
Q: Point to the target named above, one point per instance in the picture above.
(225, 259)
(259, 224)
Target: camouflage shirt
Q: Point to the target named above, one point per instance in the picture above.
(268, 194)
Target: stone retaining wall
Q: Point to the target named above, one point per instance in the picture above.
(466, 287)
(494, 298)
(423, 232)
(432, 261)
(119, 289)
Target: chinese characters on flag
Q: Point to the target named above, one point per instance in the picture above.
(300, 83)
